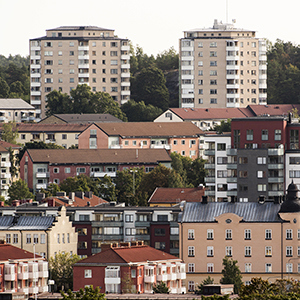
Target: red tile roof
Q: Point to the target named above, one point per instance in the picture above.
(114, 156)
(8, 251)
(32, 127)
(7, 145)
(132, 254)
(274, 109)
(150, 129)
(211, 113)
(78, 202)
(176, 195)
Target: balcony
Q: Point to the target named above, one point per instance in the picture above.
(83, 57)
(160, 146)
(149, 279)
(232, 67)
(102, 174)
(209, 166)
(231, 152)
(231, 193)
(275, 180)
(5, 175)
(83, 48)
(34, 290)
(181, 275)
(125, 75)
(125, 66)
(210, 193)
(125, 83)
(42, 174)
(35, 84)
(231, 179)
(275, 166)
(275, 193)
(43, 289)
(39, 186)
(83, 66)
(187, 105)
(181, 290)
(232, 76)
(83, 75)
(125, 93)
(24, 290)
(232, 104)
(209, 152)
(5, 164)
(231, 166)
(3, 119)
(209, 179)
(233, 95)
(35, 93)
(35, 102)
(125, 48)
(112, 280)
(10, 277)
(23, 276)
(125, 56)
(172, 276)
(162, 277)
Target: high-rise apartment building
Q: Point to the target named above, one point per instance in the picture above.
(222, 66)
(71, 55)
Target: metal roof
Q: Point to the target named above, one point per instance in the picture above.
(15, 103)
(26, 222)
(195, 212)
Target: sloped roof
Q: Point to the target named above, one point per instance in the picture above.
(26, 222)
(15, 103)
(71, 156)
(250, 211)
(84, 118)
(78, 202)
(2, 149)
(8, 251)
(211, 113)
(79, 28)
(176, 195)
(8, 145)
(273, 109)
(150, 129)
(51, 128)
(131, 254)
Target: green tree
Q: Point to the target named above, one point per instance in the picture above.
(75, 184)
(16, 89)
(205, 281)
(150, 86)
(61, 270)
(167, 60)
(140, 112)
(58, 103)
(197, 172)
(18, 191)
(161, 288)
(161, 176)
(225, 126)
(10, 132)
(13, 161)
(127, 283)
(51, 190)
(88, 293)
(4, 88)
(231, 274)
(107, 189)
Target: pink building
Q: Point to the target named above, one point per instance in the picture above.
(182, 138)
(128, 268)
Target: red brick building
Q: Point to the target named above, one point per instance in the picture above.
(129, 268)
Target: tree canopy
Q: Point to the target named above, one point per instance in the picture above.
(61, 270)
(19, 190)
(9, 132)
(83, 100)
(161, 288)
(88, 293)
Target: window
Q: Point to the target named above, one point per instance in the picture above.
(15, 238)
(261, 187)
(67, 170)
(129, 218)
(213, 44)
(261, 160)
(43, 238)
(28, 238)
(247, 234)
(294, 139)
(35, 238)
(213, 53)
(213, 73)
(210, 267)
(248, 251)
(228, 234)
(213, 101)
(87, 273)
(200, 63)
(133, 273)
(160, 245)
(221, 147)
(8, 238)
(162, 218)
(277, 136)
(191, 286)
(268, 268)
(213, 82)
(191, 251)
(268, 234)
(191, 234)
(200, 54)
(191, 268)
(228, 251)
(248, 267)
(200, 73)
(159, 231)
(210, 251)
(58, 238)
(68, 237)
(213, 63)
(249, 135)
(289, 251)
(289, 234)
(182, 142)
(264, 135)
(130, 231)
(268, 251)
(200, 92)
(210, 234)
(213, 91)
(261, 174)
(56, 170)
(80, 170)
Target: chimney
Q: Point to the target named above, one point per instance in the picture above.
(79, 195)
(134, 243)
(232, 199)
(125, 244)
(204, 199)
(261, 199)
(136, 153)
(72, 196)
(61, 194)
(15, 202)
(141, 243)
(88, 194)
(40, 196)
(1, 203)
(88, 203)
(276, 200)
(105, 246)
(2, 242)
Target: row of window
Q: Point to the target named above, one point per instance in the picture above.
(50, 62)
(72, 71)
(264, 135)
(247, 234)
(72, 44)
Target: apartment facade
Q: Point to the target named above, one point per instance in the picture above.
(71, 55)
(262, 236)
(182, 138)
(222, 66)
(130, 268)
(22, 272)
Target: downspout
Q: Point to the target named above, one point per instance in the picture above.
(47, 241)
(21, 239)
(181, 242)
(281, 239)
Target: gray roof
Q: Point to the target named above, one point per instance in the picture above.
(87, 118)
(26, 222)
(79, 28)
(15, 103)
(195, 212)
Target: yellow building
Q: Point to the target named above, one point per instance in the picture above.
(44, 235)
(263, 237)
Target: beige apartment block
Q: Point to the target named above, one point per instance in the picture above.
(44, 235)
(264, 237)
(222, 66)
(71, 55)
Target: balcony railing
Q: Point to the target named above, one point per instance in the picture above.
(209, 179)
(209, 152)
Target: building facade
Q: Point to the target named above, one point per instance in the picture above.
(22, 272)
(222, 66)
(71, 55)
(130, 268)
(262, 236)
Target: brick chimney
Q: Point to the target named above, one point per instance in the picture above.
(15, 202)
(79, 195)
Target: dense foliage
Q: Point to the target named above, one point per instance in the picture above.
(19, 190)
(14, 77)
(207, 280)
(160, 288)
(88, 293)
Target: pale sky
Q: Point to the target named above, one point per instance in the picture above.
(154, 25)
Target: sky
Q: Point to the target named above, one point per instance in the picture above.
(155, 25)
